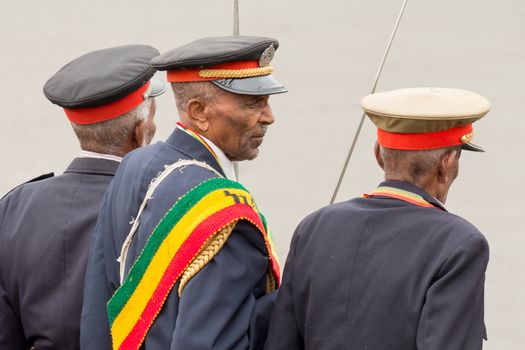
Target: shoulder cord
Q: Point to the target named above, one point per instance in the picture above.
(168, 169)
(271, 283)
(211, 248)
(208, 252)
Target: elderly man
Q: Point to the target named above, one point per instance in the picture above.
(195, 265)
(393, 269)
(46, 226)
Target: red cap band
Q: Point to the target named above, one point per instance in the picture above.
(423, 141)
(190, 75)
(92, 115)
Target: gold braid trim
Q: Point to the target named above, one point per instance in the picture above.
(270, 281)
(210, 249)
(235, 73)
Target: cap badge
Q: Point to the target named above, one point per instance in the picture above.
(267, 56)
(467, 137)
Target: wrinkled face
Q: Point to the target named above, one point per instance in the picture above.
(238, 123)
(149, 124)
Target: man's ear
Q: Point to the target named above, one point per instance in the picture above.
(377, 152)
(196, 112)
(138, 134)
(446, 165)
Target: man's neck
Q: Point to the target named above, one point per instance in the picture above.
(225, 163)
(114, 151)
(98, 155)
(428, 184)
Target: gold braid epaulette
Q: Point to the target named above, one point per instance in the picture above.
(205, 255)
(208, 252)
(235, 73)
(271, 284)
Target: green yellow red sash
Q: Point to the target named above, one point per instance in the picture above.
(172, 246)
(403, 195)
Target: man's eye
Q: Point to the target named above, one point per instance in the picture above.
(255, 104)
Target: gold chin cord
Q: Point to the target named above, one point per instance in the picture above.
(358, 131)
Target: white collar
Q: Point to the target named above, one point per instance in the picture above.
(89, 154)
(437, 200)
(226, 164)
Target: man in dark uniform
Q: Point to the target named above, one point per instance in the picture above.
(46, 226)
(393, 269)
(182, 288)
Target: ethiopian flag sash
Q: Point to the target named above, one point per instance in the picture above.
(180, 235)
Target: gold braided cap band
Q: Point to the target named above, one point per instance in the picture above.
(235, 73)
(231, 70)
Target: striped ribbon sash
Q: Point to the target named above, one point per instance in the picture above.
(177, 239)
(400, 194)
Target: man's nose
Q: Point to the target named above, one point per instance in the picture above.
(267, 116)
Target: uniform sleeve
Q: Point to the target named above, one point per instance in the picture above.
(218, 305)
(284, 332)
(99, 286)
(11, 331)
(452, 316)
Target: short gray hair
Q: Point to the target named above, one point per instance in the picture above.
(186, 91)
(413, 164)
(109, 136)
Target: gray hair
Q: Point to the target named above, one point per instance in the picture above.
(413, 164)
(186, 91)
(109, 136)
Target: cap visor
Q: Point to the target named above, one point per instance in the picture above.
(157, 86)
(472, 147)
(263, 85)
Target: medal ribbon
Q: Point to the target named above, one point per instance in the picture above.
(201, 140)
(392, 192)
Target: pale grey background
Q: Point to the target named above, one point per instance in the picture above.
(329, 54)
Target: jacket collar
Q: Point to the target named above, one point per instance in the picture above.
(405, 186)
(93, 166)
(192, 148)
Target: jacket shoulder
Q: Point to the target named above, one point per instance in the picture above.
(36, 179)
(328, 214)
(461, 228)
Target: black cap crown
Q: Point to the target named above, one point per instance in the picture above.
(239, 64)
(101, 77)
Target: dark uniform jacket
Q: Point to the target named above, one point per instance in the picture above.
(45, 234)
(380, 273)
(223, 307)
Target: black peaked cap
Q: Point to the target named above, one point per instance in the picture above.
(212, 51)
(101, 77)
